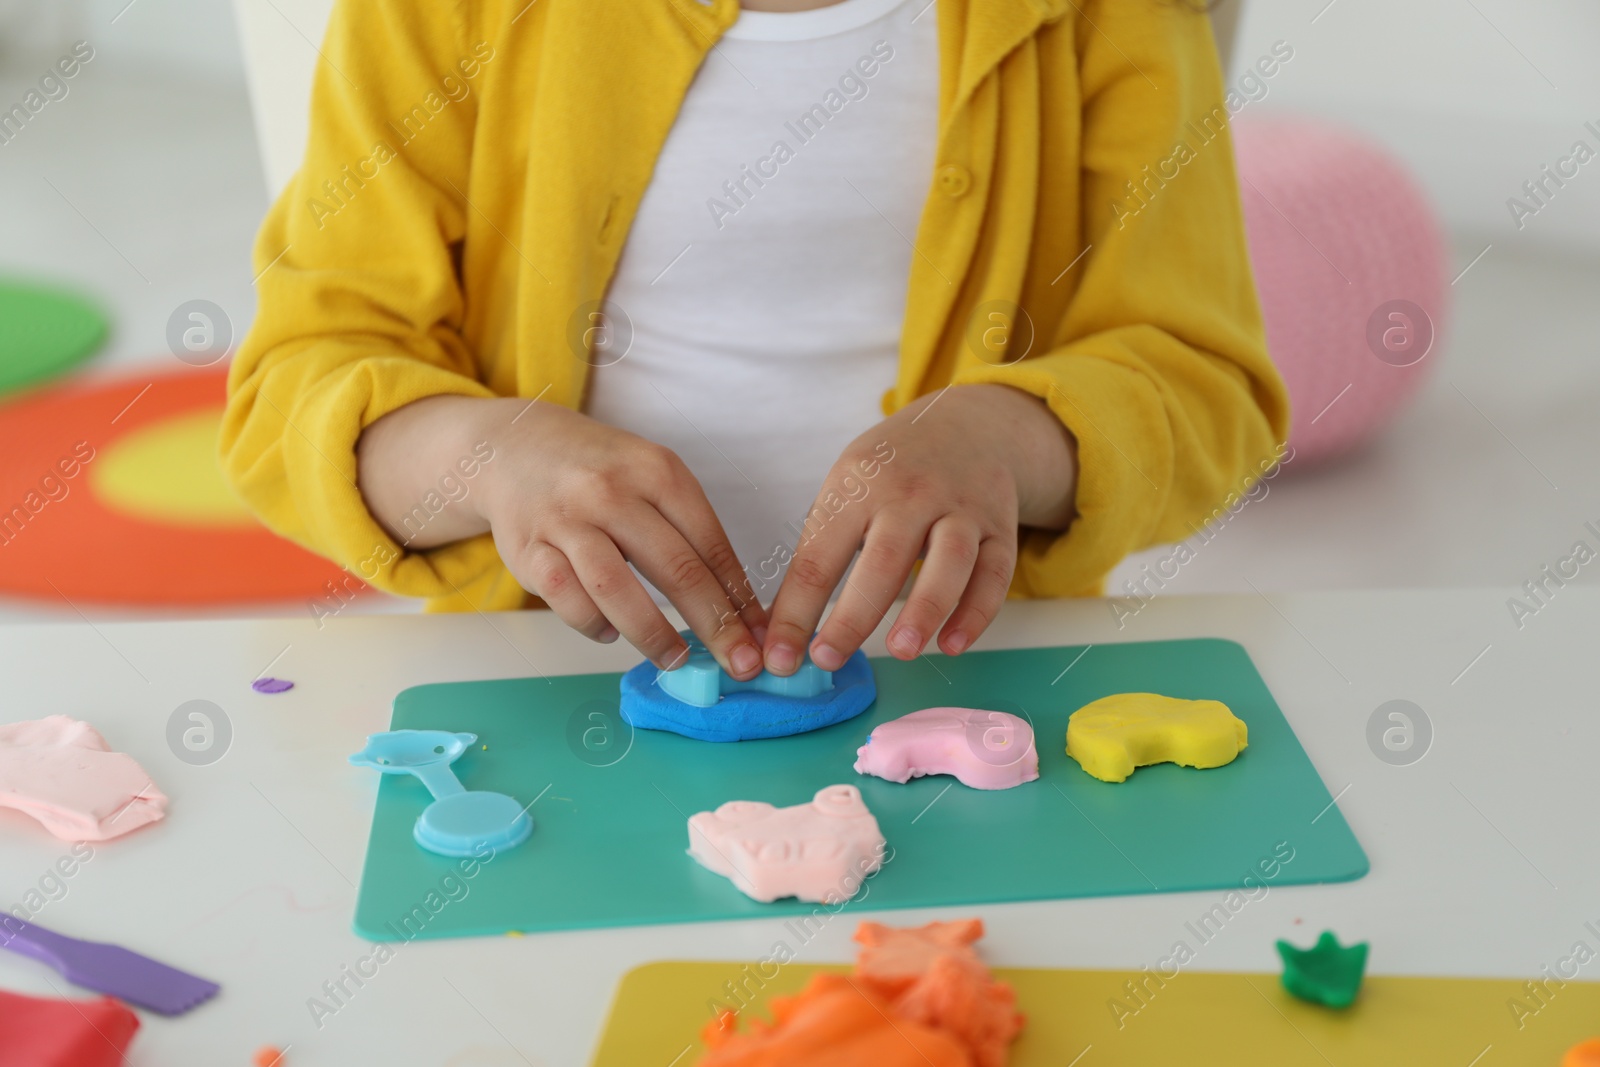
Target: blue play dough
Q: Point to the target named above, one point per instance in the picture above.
(748, 715)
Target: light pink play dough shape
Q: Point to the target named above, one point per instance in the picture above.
(819, 852)
(62, 772)
(983, 749)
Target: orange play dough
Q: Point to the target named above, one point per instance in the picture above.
(831, 1021)
(918, 996)
(932, 975)
(1583, 1054)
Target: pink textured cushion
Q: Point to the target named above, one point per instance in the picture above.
(1338, 230)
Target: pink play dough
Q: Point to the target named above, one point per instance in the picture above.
(983, 749)
(819, 852)
(62, 772)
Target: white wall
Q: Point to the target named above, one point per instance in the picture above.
(1475, 95)
(183, 39)
(281, 63)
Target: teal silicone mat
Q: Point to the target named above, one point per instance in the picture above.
(610, 835)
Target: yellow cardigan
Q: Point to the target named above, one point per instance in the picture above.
(474, 167)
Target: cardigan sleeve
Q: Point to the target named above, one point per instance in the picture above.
(1159, 367)
(359, 304)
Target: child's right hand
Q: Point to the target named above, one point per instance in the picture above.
(571, 502)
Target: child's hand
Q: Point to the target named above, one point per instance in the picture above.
(949, 478)
(571, 502)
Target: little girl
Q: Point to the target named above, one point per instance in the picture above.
(749, 302)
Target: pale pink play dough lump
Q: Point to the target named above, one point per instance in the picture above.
(62, 772)
(983, 749)
(819, 851)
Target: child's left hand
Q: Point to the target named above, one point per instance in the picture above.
(949, 478)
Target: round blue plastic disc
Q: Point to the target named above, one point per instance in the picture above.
(460, 825)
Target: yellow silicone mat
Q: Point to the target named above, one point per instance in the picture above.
(1193, 1020)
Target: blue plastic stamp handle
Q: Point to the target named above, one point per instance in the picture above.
(424, 753)
(459, 822)
(702, 683)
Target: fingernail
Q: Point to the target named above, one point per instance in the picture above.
(760, 634)
(957, 642)
(746, 659)
(783, 659)
(905, 641)
(826, 656)
(674, 659)
(608, 635)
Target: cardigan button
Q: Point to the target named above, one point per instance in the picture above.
(954, 180)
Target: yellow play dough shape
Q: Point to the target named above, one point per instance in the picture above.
(167, 473)
(1115, 734)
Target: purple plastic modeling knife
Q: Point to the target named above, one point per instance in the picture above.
(105, 968)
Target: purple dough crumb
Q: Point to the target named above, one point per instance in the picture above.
(271, 685)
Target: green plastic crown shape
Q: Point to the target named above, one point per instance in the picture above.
(1327, 973)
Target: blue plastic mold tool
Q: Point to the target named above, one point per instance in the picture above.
(702, 683)
(460, 821)
(702, 701)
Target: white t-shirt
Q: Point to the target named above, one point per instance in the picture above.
(754, 319)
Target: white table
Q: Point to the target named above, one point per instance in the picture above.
(1484, 857)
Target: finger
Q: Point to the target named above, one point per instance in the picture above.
(673, 566)
(819, 562)
(887, 556)
(986, 591)
(619, 594)
(679, 497)
(946, 570)
(545, 572)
